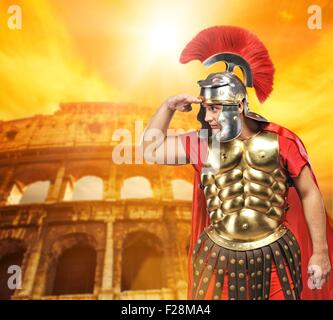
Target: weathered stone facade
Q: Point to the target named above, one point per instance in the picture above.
(74, 142)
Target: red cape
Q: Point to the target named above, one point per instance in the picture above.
(295, 219)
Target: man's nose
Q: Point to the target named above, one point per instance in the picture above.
(208, 116)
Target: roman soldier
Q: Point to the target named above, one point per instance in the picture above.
(259, 228)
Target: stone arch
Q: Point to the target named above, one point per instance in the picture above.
(72, 265)
(35, 192)
(142, 262)
(136, 187)
(182, 189)
(12, 252)
(88, 188)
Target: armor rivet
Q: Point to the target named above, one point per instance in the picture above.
(206, 248)
(286, 247)
(232, 299)
(194, 284)
(199, 241)
(201, 292)
(262, 154)
(268, 256)
(267, 283)
(218, 284)
(284, 279)
(205, 279)
(235, 118)
(277, 252)
(232, 287)
(241, 275)
(232, 261)
(209, 267)
(268, 269)
(197, 273)
(290, 259)
(281, 266)
(298, 251)
(294, 272)
(245, 226)
(193, 251)
(253, 286)
(232, 274)
(258, 259)
(201, 261)
(259, 273)
(253, 274)
(222, 258)
(251, 261)
(214, 254)
(216, 297)
(295, 255)
(290, 242)
(259, 298)
(220, 271)
(241, 262)
(259, 286)
(241, 289)
(266, 296)
(288, 292)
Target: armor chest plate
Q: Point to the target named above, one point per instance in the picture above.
(245, 187)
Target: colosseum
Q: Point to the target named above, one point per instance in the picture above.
(81, 226)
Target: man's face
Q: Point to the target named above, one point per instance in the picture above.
(212, 113)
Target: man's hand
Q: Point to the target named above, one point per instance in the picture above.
(181, 102)
(319, 269)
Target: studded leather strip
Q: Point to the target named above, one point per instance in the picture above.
(259, 266)
(291, 265)
(208, 271)
(267, 268)
(252, 274)
(282, 274)
(220, 272)
(199, 263)
(197, 247)
(241, 275)
(232, 284)
(293, 247)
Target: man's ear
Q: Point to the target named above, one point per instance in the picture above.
(241, 107)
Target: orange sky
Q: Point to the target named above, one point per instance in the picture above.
(84, 50)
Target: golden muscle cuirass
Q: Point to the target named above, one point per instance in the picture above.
(245, 186)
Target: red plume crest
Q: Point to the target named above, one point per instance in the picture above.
(239, 41)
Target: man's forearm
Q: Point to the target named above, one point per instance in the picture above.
(315, 216)
(159, 121)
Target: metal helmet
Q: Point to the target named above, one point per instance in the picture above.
(236, 47)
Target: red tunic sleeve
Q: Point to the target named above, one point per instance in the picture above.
(291, 157)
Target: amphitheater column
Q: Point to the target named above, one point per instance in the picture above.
(57, 185)
(4, 192)
(112, 185)
(31, 265)
(107, 279)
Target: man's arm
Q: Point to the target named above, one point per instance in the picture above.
(166, 147)
(319, 266)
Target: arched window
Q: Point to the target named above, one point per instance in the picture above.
(136, 188)
(75, 271)
(15, 195)
(142, 262)
(35, 192)
(88, 188)
(10, 259)
(182, 190)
